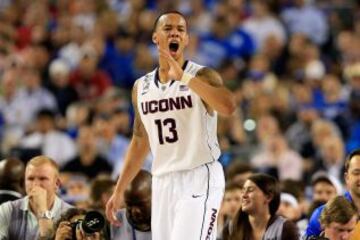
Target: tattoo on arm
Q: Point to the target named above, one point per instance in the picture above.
(210, 76)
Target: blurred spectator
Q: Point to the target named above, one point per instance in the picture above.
(335, 97)
(332, 157)
(200, 19)
(34, 96)
(48, 139)
(277, 156)
(71, 52)
(33, 216)
(262, 24)
(230, 205)
(135, 218)
(325, 187)
(12, 109)
(88, 81)
(238, 171)
(321, 129)
(290, 209)
(353, 74)
(59, 85)
(100, 191)
(338, 219)
(110, 144)
(307, 19)
(299, 133)
(259, 79)
(224, 41)
(267, 127)
(78, 114)
(76, 187)
(88, 161)
(12, 174)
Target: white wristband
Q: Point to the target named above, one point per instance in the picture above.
(186, 77)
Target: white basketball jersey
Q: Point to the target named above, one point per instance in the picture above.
(182, 134)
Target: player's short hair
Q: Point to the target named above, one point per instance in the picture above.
(166, 13)
(348, 159)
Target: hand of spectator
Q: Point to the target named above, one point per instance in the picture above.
(38, 200)
(115, 202)
(80, 235)
(63, 232)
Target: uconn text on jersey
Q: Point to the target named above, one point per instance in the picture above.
(167, 104)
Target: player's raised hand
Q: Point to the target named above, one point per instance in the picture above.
(163, 62)
(175, 71)
(115, 203)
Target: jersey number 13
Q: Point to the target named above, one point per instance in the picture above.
(171, 125)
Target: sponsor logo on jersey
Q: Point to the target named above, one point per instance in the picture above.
(167, 104)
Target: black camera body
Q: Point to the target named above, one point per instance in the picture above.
(92, 223)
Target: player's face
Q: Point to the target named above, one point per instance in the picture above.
(338, 231)
(171, 33)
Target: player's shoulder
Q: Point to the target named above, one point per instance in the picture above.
(143, 83)
(147, 77)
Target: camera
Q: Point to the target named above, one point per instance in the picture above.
(93, 222)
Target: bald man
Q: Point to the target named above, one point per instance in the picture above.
(32, 216)
(11, 179)
(136, 216)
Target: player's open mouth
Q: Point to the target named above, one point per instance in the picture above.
(173, 47)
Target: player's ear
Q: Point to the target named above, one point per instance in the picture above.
(154, 39)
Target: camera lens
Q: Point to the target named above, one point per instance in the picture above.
(93, 222)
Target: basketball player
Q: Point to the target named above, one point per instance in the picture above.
(176, 109)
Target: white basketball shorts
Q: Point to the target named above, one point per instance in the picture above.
(185, 204)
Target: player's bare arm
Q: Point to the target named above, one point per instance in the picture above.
(134, 159)
(209, 86)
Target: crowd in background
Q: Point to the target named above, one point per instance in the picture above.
(67, 69)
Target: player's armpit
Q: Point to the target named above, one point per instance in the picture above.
(210, 76)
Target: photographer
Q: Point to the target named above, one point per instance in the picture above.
(79, 224)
